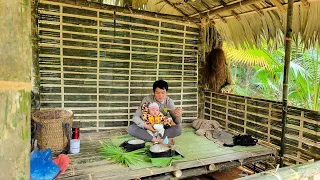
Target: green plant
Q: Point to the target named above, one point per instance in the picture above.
(120, 155)
(254, 78)
(164, 161)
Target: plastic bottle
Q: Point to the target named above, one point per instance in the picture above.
(166, 140)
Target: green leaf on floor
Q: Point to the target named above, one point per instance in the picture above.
(164, 161)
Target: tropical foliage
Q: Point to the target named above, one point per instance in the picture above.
(259, 73)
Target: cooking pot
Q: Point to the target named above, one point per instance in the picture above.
(161, 150)
(133, 144)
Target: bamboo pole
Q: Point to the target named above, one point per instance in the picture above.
(279, 5)
(212, 8)
(61, 56)
(231, 7)
(86, 4)
(262, 10)
(174, 7)
(98, 69)
(288, 41)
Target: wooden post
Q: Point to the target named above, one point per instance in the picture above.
(98, 71)
(288, 42)
(15, 88)
(227, 113)
(300, 136)
(211, 106)
(61, 55)
(269, 123)
(245, 116)
(183, 58)
(35, 74)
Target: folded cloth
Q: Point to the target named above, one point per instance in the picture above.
(203, 125)
(220, 136)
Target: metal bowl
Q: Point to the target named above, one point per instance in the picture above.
(161, 150)
(133, 144)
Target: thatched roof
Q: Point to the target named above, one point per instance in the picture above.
(241, 21)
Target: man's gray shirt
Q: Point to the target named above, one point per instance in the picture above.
(168, 103)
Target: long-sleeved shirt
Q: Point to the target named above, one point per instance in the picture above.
(167, 103)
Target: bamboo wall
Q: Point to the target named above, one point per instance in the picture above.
(262, 119)
(100, 63)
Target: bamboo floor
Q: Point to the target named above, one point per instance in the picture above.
(89, 165)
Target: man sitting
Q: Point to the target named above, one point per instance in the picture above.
(166, 105)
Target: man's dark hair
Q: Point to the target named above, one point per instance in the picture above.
(160, 84)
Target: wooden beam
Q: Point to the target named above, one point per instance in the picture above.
(222, 19)
(279, 5)
(262, 10)
(231, 7)
(205, 4)
(172, 5)
(236, 15)
(85, 3)
(223, 3)
(232, 11)
(258, 10)
(213, 8)
(192, 7)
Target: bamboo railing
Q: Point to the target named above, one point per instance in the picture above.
(262, 119)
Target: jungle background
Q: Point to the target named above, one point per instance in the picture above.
(258, 72)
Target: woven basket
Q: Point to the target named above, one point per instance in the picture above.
(51, 133)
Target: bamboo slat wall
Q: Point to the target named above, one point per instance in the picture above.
(100, 63)
(262, 119)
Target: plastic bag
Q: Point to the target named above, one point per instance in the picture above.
(41, 165)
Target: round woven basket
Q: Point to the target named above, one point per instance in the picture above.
(51, 133)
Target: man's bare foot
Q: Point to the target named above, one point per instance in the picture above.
(171, 141)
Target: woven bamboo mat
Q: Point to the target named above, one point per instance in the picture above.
(194, 147)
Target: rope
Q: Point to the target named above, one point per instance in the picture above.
(273, 173)
(73, 173)
(297, 176)
(150, 171)
(201, 162)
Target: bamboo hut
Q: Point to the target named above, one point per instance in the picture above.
(100, 60)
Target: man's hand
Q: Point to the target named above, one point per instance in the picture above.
(177, 112)
(149, 127)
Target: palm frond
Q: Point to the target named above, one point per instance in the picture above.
(249, 57)
(160, 6)
(252, 28)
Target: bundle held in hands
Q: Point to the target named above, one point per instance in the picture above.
(53, 127)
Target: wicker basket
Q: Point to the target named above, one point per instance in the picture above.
(50, 131)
